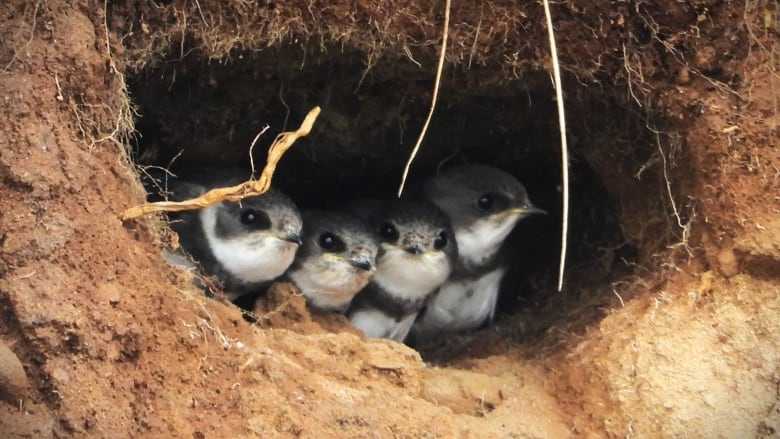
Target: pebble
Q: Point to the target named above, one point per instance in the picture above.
(13, 379)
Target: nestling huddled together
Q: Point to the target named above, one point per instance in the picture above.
(420, 265)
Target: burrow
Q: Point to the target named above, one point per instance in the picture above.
(195, 112)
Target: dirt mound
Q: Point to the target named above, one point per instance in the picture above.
(668, 323)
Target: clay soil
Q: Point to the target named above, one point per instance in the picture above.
(668, 325)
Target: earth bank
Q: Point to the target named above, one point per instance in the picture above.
(667, 325)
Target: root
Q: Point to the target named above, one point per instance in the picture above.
(282, 143)
(252, 148)
(564, 147)
(436, 84)
(29, 40)
(680, 58)
(686, 227)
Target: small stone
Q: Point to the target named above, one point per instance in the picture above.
(13, 379)
(728, 262)
(683, 76)
(706, 58)
(60, 375)
(110, 293)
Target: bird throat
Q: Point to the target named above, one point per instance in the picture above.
(250, 259)
(479, 243)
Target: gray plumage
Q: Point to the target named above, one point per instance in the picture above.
(416, 254)
(483, 204)
(337, 259)
(244, 244)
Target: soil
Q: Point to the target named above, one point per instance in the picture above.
(667, 325)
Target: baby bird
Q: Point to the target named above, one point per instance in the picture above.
(483, 204)
(416, 254)
(337, 259)
(244, 244)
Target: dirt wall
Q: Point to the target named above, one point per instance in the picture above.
(99, 337)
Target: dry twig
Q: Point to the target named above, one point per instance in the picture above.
(281, 144)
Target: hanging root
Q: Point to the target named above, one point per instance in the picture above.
(564, 147)
(439, 69)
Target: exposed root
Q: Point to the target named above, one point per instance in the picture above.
(686, 227)
(680, 58)
(29, 40)
(282, 143)
(630, 79)
(161, 189)
(252, 148)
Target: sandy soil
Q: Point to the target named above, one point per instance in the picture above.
(100, 338)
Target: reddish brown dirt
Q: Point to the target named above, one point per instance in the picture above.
(100, 338)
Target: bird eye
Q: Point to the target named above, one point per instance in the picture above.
(441, 240)
(331, 243)
(255, 219)
(327, 240)
(249, 216)
(485, 202)
(389, 232)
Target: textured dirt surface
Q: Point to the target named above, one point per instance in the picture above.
(100, 338)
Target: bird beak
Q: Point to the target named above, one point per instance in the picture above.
(529, 210)
(415, 249)
(293, 237)
(361, 263)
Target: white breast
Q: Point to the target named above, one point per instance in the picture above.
(329, 283)
(376, 324)
(254, 258)
(408, 276)
(463, 304)
(481, 241)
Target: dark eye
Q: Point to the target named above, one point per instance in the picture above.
(327, 241)
(330, 242)
(485, 202)
(255, 219)
(389, 232)
(441, 240)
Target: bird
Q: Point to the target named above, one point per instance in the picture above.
(416, 254)
(336, 260)
(483, 204)
(244, 244)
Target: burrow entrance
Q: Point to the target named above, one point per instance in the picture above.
(111, 342)
(194, 112)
